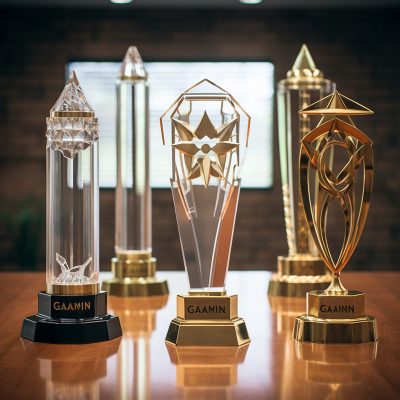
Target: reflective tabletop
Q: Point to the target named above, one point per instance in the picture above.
(141, 366)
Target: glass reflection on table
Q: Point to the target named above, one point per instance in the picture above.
(72, 372)
(206, 371)
(138, 320)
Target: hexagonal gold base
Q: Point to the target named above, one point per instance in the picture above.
(319, 330)
(335, 317)
(207, 333)
(135, 287)
(134, 276)
(207, 320)
(298, 275)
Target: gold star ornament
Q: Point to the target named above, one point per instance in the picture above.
(205, 148)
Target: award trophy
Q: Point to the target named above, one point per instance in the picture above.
(302, 270)
(73, 309)
(207, 154)
(133, 267)
(336, 315)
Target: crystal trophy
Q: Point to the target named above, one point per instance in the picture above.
(208, 147)
(336, 315)
(134, 267)
(72, 309)
(303, 269)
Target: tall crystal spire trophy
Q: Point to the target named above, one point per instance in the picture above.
(73, 309)
(336, 315)
(134, 267)
(303, 269)
(207, 155)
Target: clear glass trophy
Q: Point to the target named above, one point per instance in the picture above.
(134, 267)
(336, 315)
(73, 309)
(303, 268)
(209, 135)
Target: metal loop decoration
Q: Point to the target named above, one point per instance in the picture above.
(338, 187)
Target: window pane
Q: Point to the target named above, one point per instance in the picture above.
(251, 83)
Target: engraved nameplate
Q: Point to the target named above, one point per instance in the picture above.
(207, 307)
(326, 306)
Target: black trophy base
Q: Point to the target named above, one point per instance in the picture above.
(71, 320)
(42, 329)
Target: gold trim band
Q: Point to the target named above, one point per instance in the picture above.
(90, 288)
(72, 114)
(133, 268)
(301, 264)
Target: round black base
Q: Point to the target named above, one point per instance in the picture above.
(38, 328)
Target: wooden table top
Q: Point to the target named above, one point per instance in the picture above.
(139, 365)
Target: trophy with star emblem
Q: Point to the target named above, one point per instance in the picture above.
(209, 135)
(336, 315)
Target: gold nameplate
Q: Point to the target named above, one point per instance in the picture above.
(207, 320)
(329, 306)
(206, 307)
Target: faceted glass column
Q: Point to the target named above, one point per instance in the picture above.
(304, 85)
(72, 262)
(302, 269)
(134, 267)
(133, 195)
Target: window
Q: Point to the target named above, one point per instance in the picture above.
(251, 83)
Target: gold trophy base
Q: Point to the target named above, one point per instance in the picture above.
(298, 275)
(135, 287)
(335, 318)
(134, 276)
(207, 320)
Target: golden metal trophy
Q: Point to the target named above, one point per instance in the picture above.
(134, 267)
(303, 269)
(208, 148)
(336, 315)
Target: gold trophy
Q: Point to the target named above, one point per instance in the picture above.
(208, 148)
(133, 267)
(336, 315)
(302, 269)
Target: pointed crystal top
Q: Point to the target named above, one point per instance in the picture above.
(72, 101)
(336, 104)
(304, 66)
(132, 67)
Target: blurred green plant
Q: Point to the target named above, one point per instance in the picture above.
(24, 223)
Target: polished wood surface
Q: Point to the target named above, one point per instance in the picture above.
(141, 366)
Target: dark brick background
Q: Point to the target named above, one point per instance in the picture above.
(358, 48)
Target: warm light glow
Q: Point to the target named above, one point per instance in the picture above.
(121, 1)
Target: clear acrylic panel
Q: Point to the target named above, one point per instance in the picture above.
(209, 134)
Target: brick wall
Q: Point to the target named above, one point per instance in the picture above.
(356, 48)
